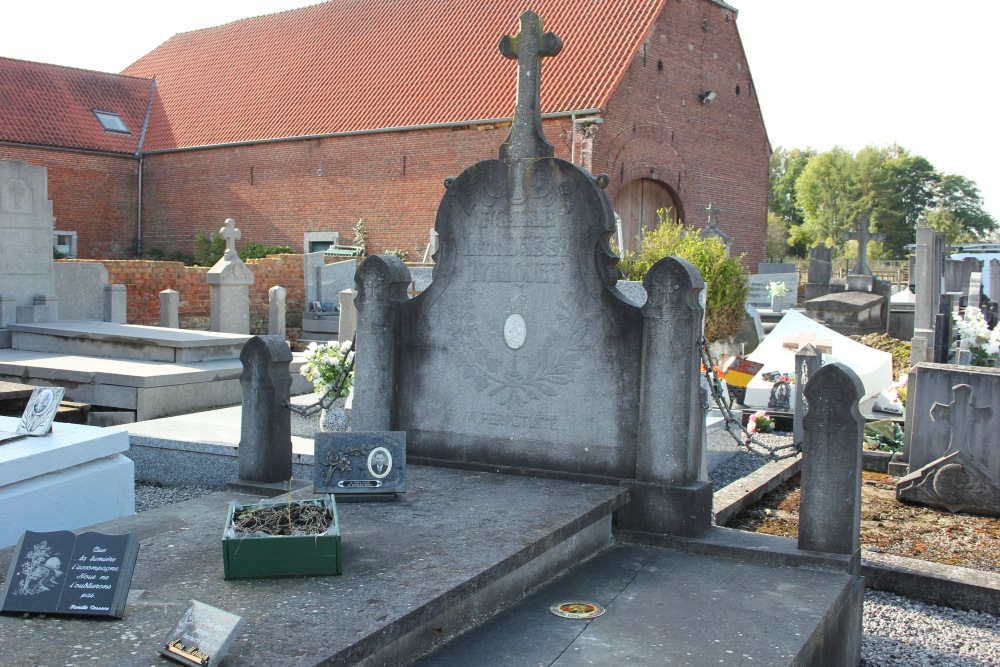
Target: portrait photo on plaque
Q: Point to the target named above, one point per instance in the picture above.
(360, 463)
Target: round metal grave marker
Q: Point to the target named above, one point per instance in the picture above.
(577, 610)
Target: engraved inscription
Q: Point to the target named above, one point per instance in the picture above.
(506, 271)
(17, 197)
(517, 421)
(515, 331)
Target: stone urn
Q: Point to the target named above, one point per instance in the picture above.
(335, 418)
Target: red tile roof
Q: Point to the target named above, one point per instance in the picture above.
(351, 65)
(51, 105)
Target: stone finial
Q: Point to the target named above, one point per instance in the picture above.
(528, 46)
(230, 233)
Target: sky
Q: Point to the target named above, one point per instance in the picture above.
(848, 73)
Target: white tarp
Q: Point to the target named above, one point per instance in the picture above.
(872, 366)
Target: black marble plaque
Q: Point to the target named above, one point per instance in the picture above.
(360, 463)
(62, 573)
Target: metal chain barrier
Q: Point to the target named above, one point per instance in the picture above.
(740, 434)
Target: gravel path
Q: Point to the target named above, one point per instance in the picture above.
(898, 631)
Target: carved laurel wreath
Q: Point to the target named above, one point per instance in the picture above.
(513, 376)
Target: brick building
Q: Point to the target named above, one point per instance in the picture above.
(303, 122)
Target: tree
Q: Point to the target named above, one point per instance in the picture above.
(912, 185)
(786, 166)
(777, 238)
(961, 197)
(825, 193)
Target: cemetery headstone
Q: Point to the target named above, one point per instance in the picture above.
(954, 270)
(202, 636)
(522, 332)
(265, 451)
(40, 411)
(65, 574)
(170, 301)
(808, 360)
(712, 228)
(966, 477)
(759, 283)
(975, 289)
(229, 286)
(26, 224)
(820, 272)
(994, 287)
(831, 462)
(276, 311)
(360, 464)
(928, 266)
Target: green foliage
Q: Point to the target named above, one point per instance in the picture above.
(402, 255)
(157, 255)
(727, 281)
(777, 238)
(883, 435)
(892, 186)
(209, 249)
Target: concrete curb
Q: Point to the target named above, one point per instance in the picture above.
(932, 583)
(730, 501)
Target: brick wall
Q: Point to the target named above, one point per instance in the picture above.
(92, 195)
(146, 279)
(655, 126)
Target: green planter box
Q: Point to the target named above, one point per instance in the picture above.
(281, 555)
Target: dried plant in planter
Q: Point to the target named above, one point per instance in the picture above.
(291, 519)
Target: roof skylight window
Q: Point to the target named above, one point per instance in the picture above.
(111, 122)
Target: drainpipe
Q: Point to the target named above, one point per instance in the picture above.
(138, 214)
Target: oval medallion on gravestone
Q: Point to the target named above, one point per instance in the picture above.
(515, 331)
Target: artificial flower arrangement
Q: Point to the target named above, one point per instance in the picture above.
(897, 390)
(973, 331)
(324, 364)
(760, 423)
(778, 289)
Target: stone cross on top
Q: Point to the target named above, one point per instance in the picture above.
(528, 46)
(862, 236)
(713, 214)
(230, 233)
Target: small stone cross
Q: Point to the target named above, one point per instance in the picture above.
(18, 194)
(528, 46)
(862, 236)
(804, 338)
(230, 233)
(962, 416)
(713, 214)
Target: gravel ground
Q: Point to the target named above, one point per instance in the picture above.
(897, 630)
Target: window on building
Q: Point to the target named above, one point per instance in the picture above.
(111, 122)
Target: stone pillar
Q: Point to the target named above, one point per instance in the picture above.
(927, 278)
(276, 311)
(8, 310)
(348, 316)
(230, 281)
(668, 496)
(45, 308)
(382, 281)
(170, 301)
(808, 360)
(115, 304)
(830, 508)
(994, 288)
(265, 452)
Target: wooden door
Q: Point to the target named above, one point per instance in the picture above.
(637, 203)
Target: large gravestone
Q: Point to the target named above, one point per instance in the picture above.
(820, 271)
(229, 284)
(952, 448)
(26, 225)
(522, 354)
